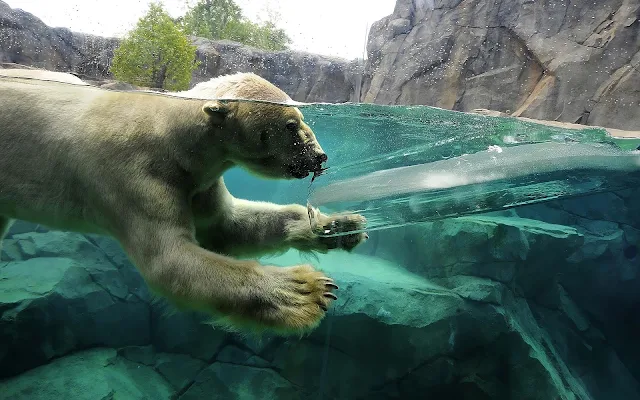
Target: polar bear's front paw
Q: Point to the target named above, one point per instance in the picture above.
(339, 223)
(295, 298)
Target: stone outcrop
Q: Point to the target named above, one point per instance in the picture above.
(62, 292)
(304, 76)
(572, 61)
(491, 310)
(574, 263)
(26, 40)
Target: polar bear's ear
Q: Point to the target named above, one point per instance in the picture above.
(216, 110)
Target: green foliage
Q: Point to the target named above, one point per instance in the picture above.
(209, 18)
(222, 19)
(263, 36)
(156, 53)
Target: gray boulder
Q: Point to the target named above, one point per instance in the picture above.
(25, 39)
(392, 333)
(303, 76)
(60, 292)
(566, 61)
(93, 374)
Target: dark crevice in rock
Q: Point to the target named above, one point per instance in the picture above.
(480, 27)
(401, 378)
(91, 240)
(211, 361)
(323, 343)
(109, 396)
(584, 217)
(528, 51)
(101, 286)
(564, 17)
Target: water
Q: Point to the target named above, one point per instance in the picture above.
(405, 165)
(495, 245)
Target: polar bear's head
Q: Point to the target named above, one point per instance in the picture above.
(271, 140)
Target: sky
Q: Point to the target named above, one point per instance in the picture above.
(328, 27)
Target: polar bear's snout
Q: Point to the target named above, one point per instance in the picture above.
(302, 168)
(315, 157)
(319, 158)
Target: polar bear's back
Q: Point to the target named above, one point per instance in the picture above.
(237, 86)
(42, 74)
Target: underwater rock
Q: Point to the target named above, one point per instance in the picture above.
(93, 374)
(478, 289)
(457, 325)
(229, 381)
(415, 337)
(565, 61)
(603, 275)
(184, 332)
(515, 251)
(392, 334)
(178, 369)
(235, 355)
(62, 293)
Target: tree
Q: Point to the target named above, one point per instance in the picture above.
(222, 19)
(209, 18)
(156, 53)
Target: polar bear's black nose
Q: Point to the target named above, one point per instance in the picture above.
(322, 157)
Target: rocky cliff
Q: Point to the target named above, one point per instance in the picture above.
(26, 40)
(566, 60)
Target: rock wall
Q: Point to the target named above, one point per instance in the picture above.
(75, 313)
(499, 307)
(566, 60)
(26, 40)
(304, 76)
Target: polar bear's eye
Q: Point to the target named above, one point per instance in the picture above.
(292, 126)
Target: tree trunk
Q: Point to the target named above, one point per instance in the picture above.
(159, 76)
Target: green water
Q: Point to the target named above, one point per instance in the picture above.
(421, 310)
(404, 165)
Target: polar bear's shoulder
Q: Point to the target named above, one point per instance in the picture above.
(243, 85)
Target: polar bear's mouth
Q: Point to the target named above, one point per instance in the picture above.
(303, 167)
(317, 173)
(299, 171)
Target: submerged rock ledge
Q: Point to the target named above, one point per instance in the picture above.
(492, 296)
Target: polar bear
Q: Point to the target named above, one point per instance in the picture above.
(42, 74)
(146, 168)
